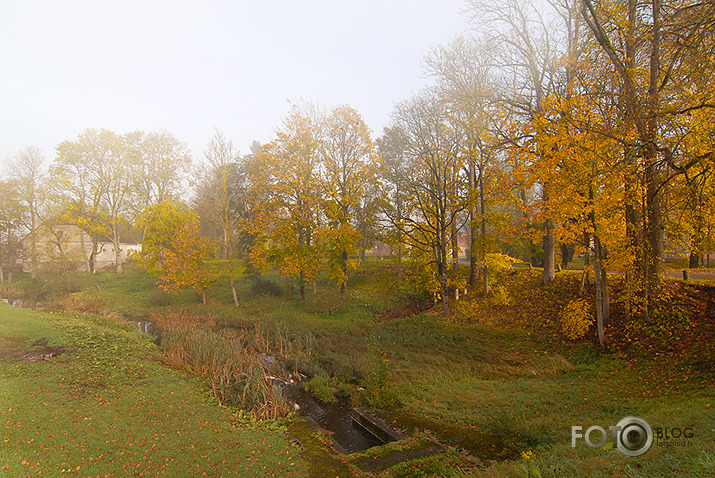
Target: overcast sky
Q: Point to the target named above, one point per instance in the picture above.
(189, 67)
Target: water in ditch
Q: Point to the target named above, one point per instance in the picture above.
(335, 419)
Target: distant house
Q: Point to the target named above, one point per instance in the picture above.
(68, 246)
(106, 257)
(378, 249)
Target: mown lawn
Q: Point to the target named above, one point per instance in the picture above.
(108, 407)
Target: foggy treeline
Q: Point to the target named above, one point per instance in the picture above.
(567, 127)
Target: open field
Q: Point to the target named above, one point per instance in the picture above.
(492, 391)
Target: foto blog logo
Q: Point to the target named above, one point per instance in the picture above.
(632, 436)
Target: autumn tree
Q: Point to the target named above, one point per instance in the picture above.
(117, 172)
(80, 181)
(286, 193)
(586, 179)
(12, 218)
(346, 151)
(659, 50)
(185, 262)
(160, 167)
(161, 223)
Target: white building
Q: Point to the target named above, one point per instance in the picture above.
(70, 247)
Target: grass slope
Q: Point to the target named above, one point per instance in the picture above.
(107, 407)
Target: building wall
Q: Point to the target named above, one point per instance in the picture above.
(71, 247)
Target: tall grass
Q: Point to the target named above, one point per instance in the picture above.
(237, 374)
(279, 340)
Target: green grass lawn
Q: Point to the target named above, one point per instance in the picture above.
(108, 407)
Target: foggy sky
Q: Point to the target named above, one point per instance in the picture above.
(189, 67)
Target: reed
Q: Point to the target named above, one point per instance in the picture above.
(236, 373)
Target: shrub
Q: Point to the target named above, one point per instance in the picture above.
(82, 303)
(576, 319)
(378, 380)
(321, 386)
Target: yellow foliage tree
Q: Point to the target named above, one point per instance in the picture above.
(286, 194)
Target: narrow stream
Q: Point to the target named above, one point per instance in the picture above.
(335, 418)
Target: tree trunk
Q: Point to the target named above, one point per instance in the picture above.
(473, 226)
(586, 264)
(117, 251)
(233, 293)
(233, 286)
(82, 246)
(229, 257)
(599, 292)
(566, 255)
(652, 179)
(203, 297)
(445, 294)
(2, 258)
(441, 260)
(33, 242)
(483, 234)
(549, 253)
(694, 260)
(605, 288)
(344, 267)
(455, 249)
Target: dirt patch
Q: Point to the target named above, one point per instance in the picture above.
(41, 352)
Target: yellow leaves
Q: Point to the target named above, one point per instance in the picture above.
(576, 318)
(184, 262)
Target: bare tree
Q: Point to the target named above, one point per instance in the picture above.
(434, 184)
(219, 179)
(27, 170)
(394, 175)
(465, 78)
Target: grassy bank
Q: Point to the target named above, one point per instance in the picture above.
(491, 391)
(106, 406)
